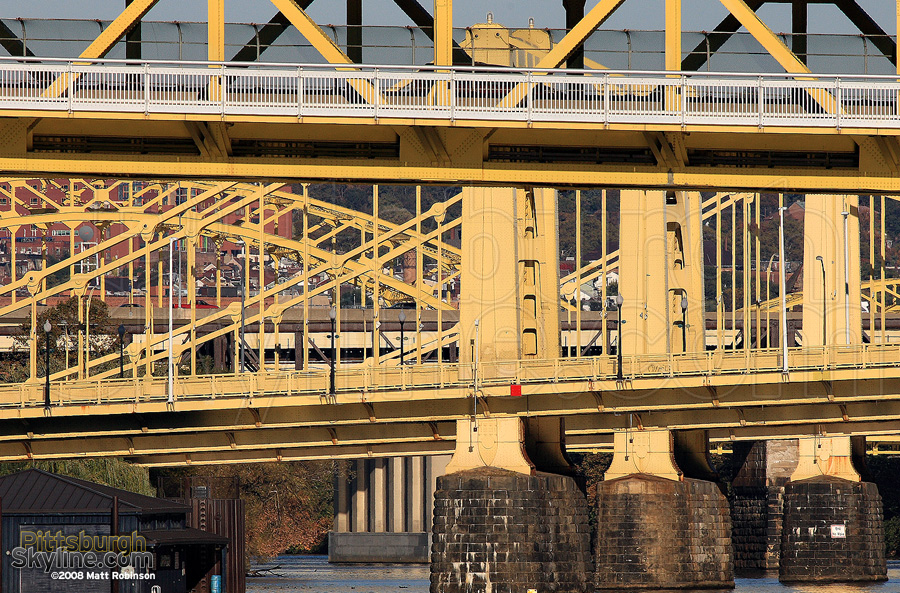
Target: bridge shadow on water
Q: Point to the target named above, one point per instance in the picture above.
(287, 574)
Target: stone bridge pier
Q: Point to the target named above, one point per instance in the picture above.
(802, 507)
(833, 523)
(661, 522)
(501, 522)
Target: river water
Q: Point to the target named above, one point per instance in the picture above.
(313, 574)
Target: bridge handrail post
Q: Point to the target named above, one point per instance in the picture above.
(606, 108)
(376, 90)
(222, 90)
(682, 103)
(453, 96)
(146, 76)
(70, 84)
(528, 97)
(760, 100)
(839, 102)
(300, 91)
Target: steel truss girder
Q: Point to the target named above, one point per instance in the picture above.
(583, 425)
(196, 218)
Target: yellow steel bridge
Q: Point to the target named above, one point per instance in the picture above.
(672, 185)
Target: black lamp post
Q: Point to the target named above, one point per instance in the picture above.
(47, 328)
(402, 318)
(824, 302)
(121, 351)
(619, 374)
(684, 307)
(333, 315)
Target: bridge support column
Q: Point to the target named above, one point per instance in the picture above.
(510, 307)
(758, 502)
(661, 269)
(381, 509)
(502, 525)
(833, 529)
(831, 306)
(657, 528)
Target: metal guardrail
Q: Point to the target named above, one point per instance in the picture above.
(361, 380)
(443, 93)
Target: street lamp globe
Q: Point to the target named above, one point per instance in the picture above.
(402, 317)
(619, 300)
(684, 303)
(47, 327)
(332, 314)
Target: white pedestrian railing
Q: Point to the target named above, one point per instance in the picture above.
(444, 93)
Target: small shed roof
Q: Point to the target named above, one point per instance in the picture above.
(37, 491)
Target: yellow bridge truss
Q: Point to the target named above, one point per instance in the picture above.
(241, 213)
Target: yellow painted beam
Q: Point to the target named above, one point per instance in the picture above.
(443, 32)
(312, 32)
(216, 30)
(562, 50)
(129, 17)
(502, 174)
(673, 35)
(762, 33)
(104, 42)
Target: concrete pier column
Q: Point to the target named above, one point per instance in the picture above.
(360, 500)
(833, 530)
(758, 500)
(500, 524)
(416, 519)
(378, 500)
(387, 503)
(657, 528)
(341, 498)
(397, 501)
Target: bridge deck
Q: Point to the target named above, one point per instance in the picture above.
(394, 411)
(432, 381)
(449, 95)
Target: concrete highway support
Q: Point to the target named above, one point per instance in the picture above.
(383, 509)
